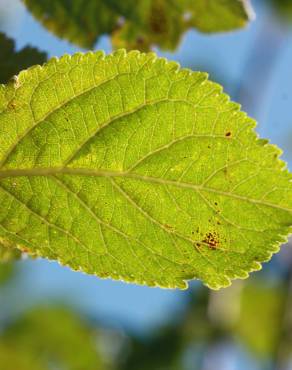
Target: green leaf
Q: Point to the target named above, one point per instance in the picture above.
(6, 272)
(135, 24)
(12, 62)
(7, 256)
(283, 8)
(8, 253)
(269, 324)
(47, 338)
(125, 166)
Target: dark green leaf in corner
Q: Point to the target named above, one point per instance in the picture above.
(12, 61)
(126, 166)
(136, 24)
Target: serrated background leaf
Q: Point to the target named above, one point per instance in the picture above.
(137, 25)
(126, 167)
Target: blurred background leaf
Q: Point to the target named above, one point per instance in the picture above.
(259, 328)
(8, 253)
(284, 9)
(137, 24)
(6, 271)
(252, 316)
(7, 256)
(49, 338)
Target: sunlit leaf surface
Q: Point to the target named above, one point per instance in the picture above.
(125, 166)
(137, 24)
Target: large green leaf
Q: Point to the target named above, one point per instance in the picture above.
(125, 166)
(12, 61)
(137, 24)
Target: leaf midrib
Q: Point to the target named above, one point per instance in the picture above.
(30, 172)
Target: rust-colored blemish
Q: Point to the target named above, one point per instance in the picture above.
(212, 239)
(228, 134)
(12, 105)
(24, 249)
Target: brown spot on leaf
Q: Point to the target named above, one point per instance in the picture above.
(12, 105)
(228, 134)
(24, 249)
(212, 239)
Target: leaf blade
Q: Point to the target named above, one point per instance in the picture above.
(125, 166)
